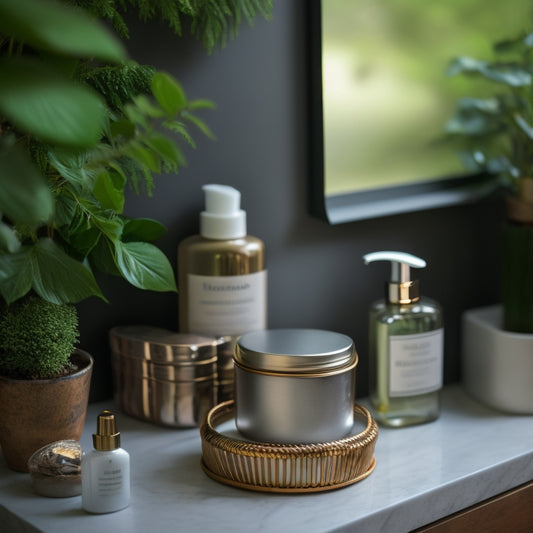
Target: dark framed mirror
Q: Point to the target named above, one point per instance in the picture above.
(380, 100)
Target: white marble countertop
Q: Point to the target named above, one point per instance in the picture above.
(423, 473)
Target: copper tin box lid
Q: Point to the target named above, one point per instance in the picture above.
(162, 346)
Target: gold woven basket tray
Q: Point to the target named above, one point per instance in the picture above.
(229, 458)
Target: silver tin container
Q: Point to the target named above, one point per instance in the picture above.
(164, 377)
(294, 386)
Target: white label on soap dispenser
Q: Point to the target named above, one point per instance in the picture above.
(415, 363)
(227, 305)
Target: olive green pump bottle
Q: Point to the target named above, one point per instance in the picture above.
(405, 347)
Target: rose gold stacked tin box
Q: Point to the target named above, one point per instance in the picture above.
(164, 377)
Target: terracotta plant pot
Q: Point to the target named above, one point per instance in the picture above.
(34, 413)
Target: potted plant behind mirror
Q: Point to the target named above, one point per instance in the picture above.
(497, 136)
(79, 123)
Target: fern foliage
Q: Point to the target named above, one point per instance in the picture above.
(119, 84)
(211, 21)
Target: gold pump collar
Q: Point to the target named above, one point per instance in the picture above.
(403, 293)
(106, 437)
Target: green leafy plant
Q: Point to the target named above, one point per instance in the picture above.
(37, 338)
(80, 123)
(58, 229)
(497, 131)
(77, 126)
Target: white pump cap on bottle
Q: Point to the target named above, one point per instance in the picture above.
(400, 289)
(223, 218)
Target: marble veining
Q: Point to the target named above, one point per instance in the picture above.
(423, 473)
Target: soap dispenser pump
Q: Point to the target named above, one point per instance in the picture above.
(406, 341)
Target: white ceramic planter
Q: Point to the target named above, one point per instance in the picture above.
(497, 365)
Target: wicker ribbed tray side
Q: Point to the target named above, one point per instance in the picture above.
(286, 468)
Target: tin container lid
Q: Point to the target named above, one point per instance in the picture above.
(162, 346)
(295, 351)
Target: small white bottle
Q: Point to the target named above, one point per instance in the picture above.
(105, 471)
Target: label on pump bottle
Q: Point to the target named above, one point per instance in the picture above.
(415, 363)
(227, 305)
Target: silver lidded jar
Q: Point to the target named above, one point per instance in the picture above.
(294, 386)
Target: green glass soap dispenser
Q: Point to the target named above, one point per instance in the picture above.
(405, 346)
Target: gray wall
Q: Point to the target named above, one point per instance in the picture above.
(316, 275)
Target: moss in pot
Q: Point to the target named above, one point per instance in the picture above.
(38, 338)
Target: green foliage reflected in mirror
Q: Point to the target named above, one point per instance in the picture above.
(385, 96)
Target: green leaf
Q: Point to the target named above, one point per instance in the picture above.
(144, 156)
(51, 107)
(118, 175)
(78, 221)
(500, 165)
(460, 65)
(85, 241)
(200, 124)
(59, 278)
(507, 73)
(145, 266)
(142, 229)
(74, 167)
(476, 117)
(125, 128)
(109, 191)
(8, 239)
(135, 115)
(168, 92)
(102, 257)
(65, 210)
(201, 104)
(518, 45)
(144, 104)
(59, 28)
(63, 65)
(472, 125)
(118, 179)
(108, 224)
(16, 274)
(524, 125)
(166, 149)
(24, 193)
(489, 106)
(179, 127)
